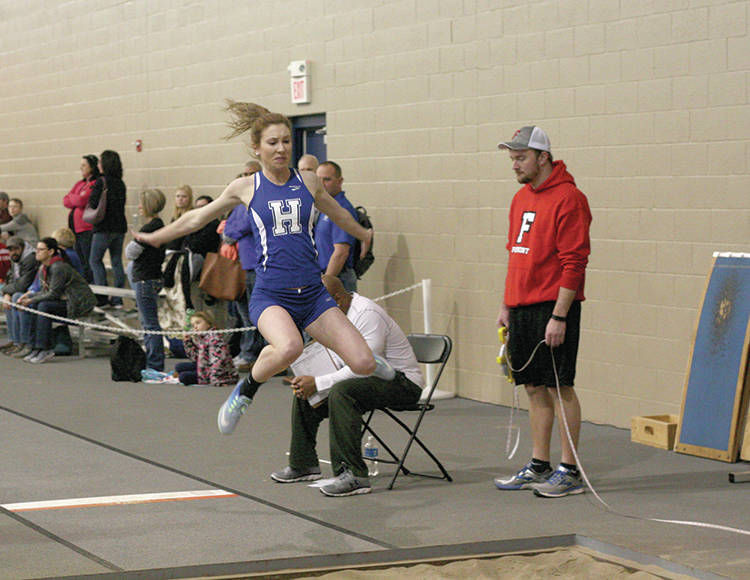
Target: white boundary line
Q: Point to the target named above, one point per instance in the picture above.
(111, 500)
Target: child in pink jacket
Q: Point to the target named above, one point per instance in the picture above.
(211, 362)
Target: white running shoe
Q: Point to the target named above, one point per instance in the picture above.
(383, 369)
(232, 410)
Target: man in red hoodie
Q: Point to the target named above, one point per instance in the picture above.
(549, 245)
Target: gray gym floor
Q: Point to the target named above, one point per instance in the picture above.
(68, 431)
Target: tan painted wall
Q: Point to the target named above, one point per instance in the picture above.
(647, 102)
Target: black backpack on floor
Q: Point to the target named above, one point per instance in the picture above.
(127, 360)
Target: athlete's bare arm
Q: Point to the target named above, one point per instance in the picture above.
(237, 192)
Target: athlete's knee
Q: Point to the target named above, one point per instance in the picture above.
(363, 363)
(289, 350)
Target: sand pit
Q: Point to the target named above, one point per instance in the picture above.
(568, 563)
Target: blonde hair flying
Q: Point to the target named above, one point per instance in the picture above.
(253, 118)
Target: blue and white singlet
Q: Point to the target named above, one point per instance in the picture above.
(282, 218)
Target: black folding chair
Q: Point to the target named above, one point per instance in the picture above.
(429, 349)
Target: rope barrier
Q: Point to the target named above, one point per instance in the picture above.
(170, 332)
(397, 292)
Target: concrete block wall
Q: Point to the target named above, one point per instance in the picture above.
(646, 102)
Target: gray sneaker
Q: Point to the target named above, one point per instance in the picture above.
(561, 483)
(33, 354)
(43, 357)
(383, 369)
(290, 475)
(232, 410)
(346, 483)
(526, 478)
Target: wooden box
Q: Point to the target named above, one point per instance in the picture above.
(655, 430)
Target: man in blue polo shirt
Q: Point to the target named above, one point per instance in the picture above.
(335, 246)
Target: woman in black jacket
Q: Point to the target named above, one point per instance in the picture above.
(64, 292)
(109, 234)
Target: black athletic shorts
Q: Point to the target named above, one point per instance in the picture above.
(527, 325)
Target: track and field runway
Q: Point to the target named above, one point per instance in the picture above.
(158, 489)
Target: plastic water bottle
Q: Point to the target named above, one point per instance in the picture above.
(371, 456)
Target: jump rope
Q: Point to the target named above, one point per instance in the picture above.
(503, 359)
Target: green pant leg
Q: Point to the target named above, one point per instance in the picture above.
(305, 423)
(347, 401)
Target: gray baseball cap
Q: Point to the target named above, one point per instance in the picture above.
(529, 137)
(15, 242)
(4, 196)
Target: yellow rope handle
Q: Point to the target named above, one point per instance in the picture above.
(502, 356)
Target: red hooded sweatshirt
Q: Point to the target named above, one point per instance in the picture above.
(76, 200)
(548, 240)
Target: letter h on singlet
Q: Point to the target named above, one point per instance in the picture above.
(285, 216)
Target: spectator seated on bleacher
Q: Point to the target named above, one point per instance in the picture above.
(63, 292)
(22, 271)
(20, 225)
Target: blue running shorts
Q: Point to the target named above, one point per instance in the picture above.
(304, 305)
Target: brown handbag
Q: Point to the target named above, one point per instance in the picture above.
(221, 277)
(93, 215)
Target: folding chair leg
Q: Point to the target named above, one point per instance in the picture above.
(435, 459)
(413, 437)
(399, 460)
(384, 445)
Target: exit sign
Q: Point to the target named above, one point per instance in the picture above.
(300, 90)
